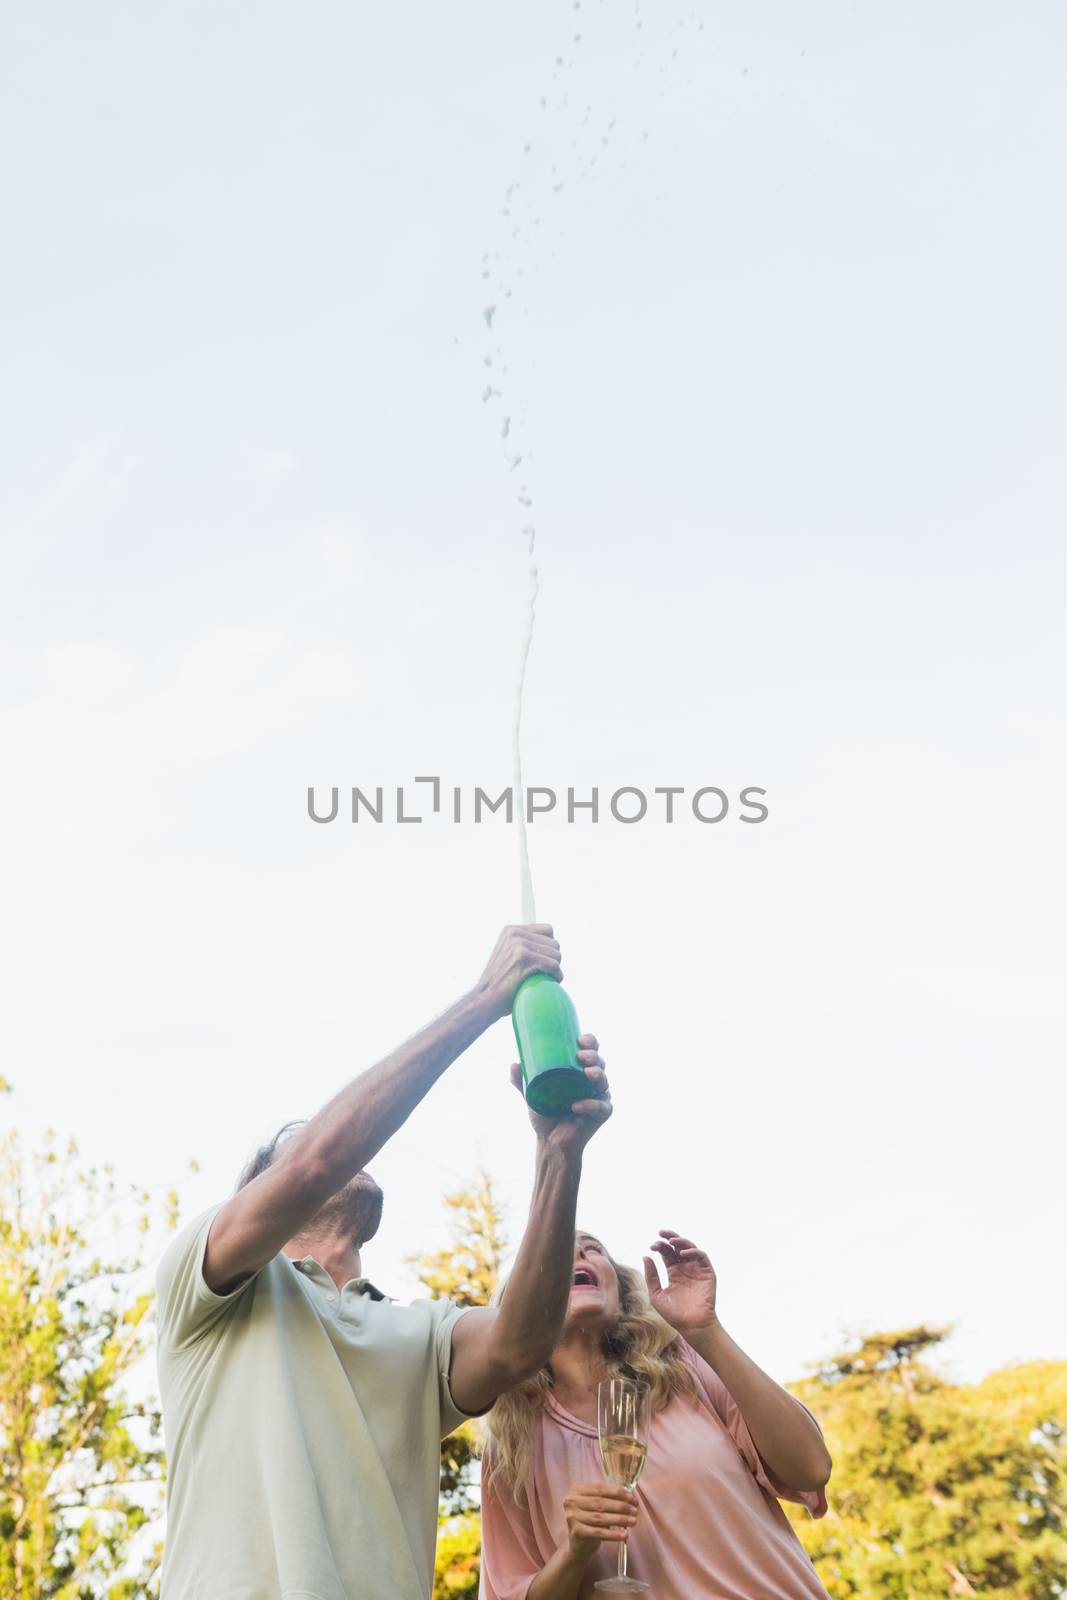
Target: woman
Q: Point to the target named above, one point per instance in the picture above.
(725, 1443)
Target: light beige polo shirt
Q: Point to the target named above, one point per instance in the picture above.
(302, 1426)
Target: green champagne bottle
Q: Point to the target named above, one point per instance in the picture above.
(546, 1031)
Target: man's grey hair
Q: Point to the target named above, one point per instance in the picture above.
(266, 1153)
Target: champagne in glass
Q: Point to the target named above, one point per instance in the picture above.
(622, 1429)
(623, 1459)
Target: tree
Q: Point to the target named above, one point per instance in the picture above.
(457, 1564)
(81, 1464)
(467, 1270)
(939, 1489)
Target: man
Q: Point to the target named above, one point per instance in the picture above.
(303, 1410)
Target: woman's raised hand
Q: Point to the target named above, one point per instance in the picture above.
(597, 1511)
(687, 1301)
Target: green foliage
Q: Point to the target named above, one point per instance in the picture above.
(938, 1488)
(81, 1464)
(457, 1566)
(467, 1271)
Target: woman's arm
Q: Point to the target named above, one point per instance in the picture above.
(594, 1512)
(560, 1578)
(785, 1435)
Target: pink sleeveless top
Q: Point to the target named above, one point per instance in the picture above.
(709, 1526)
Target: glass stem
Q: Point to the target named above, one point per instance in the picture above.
(622, 1558)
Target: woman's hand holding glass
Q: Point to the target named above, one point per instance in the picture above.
(595, 1512)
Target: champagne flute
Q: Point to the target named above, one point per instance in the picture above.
(622, 1412)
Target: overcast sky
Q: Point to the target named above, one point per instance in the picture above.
(784, 355)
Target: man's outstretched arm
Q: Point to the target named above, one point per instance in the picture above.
(497, 1347)
(348, 1132)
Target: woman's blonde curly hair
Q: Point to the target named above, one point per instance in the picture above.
(640, 1345)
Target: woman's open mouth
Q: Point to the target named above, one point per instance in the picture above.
(584, 1279)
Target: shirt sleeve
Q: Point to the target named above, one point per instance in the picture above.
(729, 1413)
(447, 1314)
(186, 1307)
(510, 1557)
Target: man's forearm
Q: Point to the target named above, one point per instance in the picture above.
(350, 1130)
(346, 1134)
(338, 1142)
(494, 1349)
(532, 1311)
(784, 1434)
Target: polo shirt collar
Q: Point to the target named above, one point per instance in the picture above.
(312, 1269)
